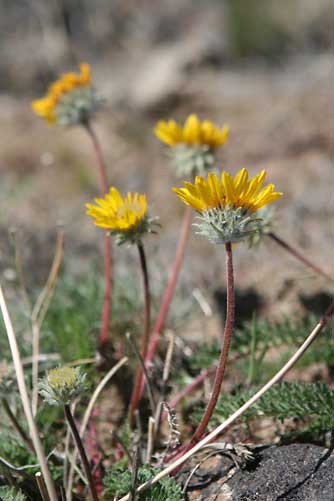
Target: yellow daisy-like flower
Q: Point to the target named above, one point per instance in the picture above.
(193, 132)
(117, 213)
(125, 217)
(68, 98)
(227, 205)
(234, 192)
(193, 145)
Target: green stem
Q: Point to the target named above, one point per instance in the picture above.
(135, 397)
(169, 292)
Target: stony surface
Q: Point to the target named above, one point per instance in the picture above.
(297, 472)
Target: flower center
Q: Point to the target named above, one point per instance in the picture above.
(62, 376)
(134, 207)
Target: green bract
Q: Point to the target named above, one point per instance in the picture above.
(62, 385)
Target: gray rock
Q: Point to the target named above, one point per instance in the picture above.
(297, 472)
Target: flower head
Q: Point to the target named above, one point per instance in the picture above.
(193, 132)
(125, 217)
(193, 145)
(227, 207)
(70, 100)
(62, 385)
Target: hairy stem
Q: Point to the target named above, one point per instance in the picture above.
(229, 322)
(236, 415)
(197, 381)
(168, 295)
(136, 394)
(298, 255)
(82, 452)
(103, 181)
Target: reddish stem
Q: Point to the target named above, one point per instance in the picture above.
(94, 452)
(99, 159)
(298, 255)
(135, 397)
(197, 381)
(182, 455)
(106, 307)
(229, 322)
(168, 295)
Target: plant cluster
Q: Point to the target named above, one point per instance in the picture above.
(230, 209)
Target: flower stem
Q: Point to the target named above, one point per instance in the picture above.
(136, 395)
(106, 308)
(99, 159)
(103, 181)
(82, 452)
(229, 322)
(298, 255)
(86, 418)
(223, 426)
(17, 425)
(168, 295)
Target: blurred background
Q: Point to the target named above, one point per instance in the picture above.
(263, 67)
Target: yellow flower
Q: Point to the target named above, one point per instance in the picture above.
(192, 133)
(238, 192)
(46, 107)
(62, 376)
(115, 213)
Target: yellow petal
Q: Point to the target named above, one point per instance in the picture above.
(192, 130)
(204, 191)
(188, 199)
(228, 184)
(215, 187)
(240, 181)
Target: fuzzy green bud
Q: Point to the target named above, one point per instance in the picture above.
(77, 106)
(228, 224)
(62, 385)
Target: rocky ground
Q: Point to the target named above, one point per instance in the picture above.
(296, 472)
